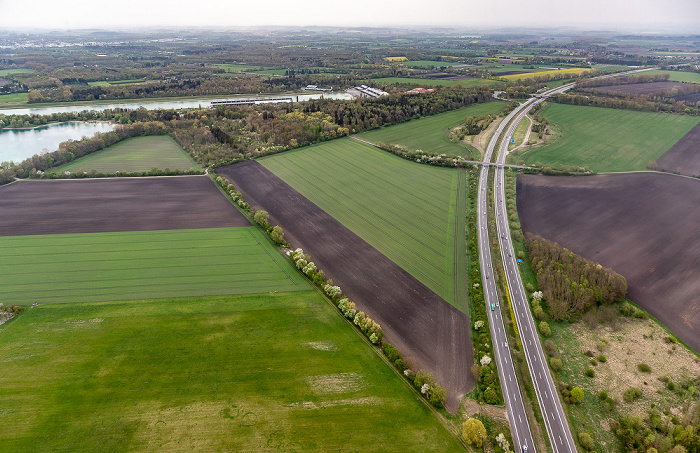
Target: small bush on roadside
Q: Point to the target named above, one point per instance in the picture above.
(590, 372)
(586, 441)
(603, 395)
(555, 364)
(644, 368)
(602, 358)
(545, 329)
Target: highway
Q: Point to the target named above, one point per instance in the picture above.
(558, 430)
(555, 420)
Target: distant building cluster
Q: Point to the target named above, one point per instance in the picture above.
(364, 90)
(316, 88)
(420, 91)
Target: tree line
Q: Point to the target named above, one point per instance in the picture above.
(571, 284)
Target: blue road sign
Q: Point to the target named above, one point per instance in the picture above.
(512, 140)
(520, 261)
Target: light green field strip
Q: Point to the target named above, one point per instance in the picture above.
(434, 82)
(609, 139)
(14, 97)
(143, 264)
(677, 76)
(135, 154)
(255, 372)
(402, 209)
(431, 133)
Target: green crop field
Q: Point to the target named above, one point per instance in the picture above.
(260, 372)
(237, 67)
(677, 76)
(433, 82)
(431, 133)
(427, 63)
(414, 214)
(142, 264)
(12, 98)
(135, 154)
(5, 72)
(609, 139)
(109, 83)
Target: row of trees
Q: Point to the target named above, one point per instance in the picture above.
(571, 284)
(642, 103)
(484, 368)
(622, 80)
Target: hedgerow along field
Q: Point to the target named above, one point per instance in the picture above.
(431, 133)
(413, 214)
(135, 154)
(258, 372)
(608, 139)
(142, 264)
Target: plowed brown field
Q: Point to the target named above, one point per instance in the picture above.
(117, 204)
(427, 330)
(684, 156)
(646, 226)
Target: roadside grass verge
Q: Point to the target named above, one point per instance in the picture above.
(608, 139)
(60, 268)
(133, 155)
(409, 212)
(431, 133)
(519, 134)
(257, 372)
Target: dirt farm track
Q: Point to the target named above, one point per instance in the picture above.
(116, 204)
(428, 331)
(643, 225)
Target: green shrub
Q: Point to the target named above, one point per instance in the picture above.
(590, 372)
(603, 395)
(670, 385)
(438, 395)
(643, 367)
(586, 441)
(602, 358)
(594, 362)
(555, 364)
(545, 329)
(391, 352)
(609, 404)
(632, 393)
(490, 396)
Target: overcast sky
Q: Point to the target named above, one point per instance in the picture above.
(639, 15)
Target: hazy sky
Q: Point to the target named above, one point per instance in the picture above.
(642, 15)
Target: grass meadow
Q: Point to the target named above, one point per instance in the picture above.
(142, 264)
(13, 98)
(432, 82)
(135, 154)
(431, 133)
(6, 72)
(257, 372)
(237, 67)
(413, 214)
(608, 139)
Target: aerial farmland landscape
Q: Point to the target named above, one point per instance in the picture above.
(395, 227)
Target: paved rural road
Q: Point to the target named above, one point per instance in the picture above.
(555, 420)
